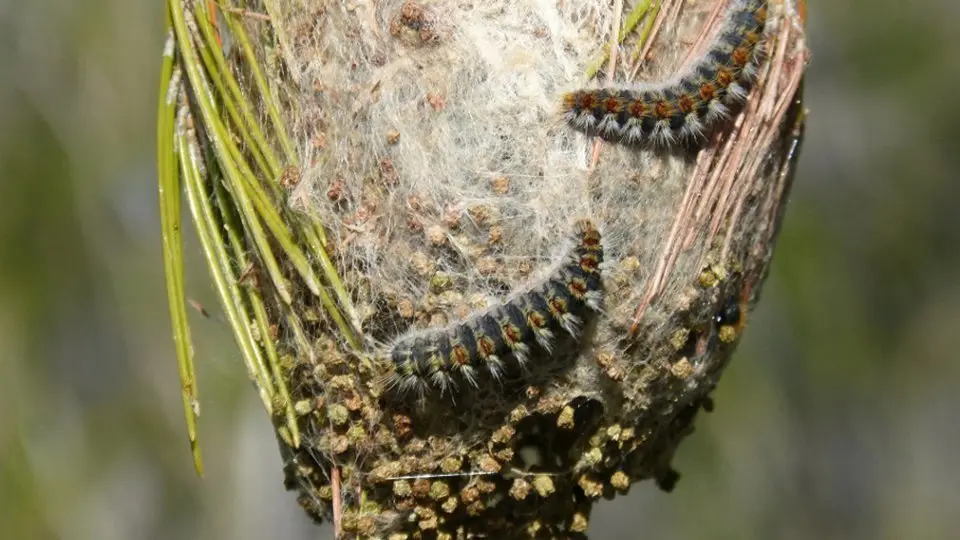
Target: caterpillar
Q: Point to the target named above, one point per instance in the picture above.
(686, 106)
(525, 325)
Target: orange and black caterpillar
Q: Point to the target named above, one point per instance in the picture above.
(687, 106)
(509, 334)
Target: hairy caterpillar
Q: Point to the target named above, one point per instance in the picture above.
(525, 325)
(686, 106)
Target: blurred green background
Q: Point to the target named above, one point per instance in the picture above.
(839, 417)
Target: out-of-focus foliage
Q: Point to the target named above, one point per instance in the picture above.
(837, 418)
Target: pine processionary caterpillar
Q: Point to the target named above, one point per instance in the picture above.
(686, 106)
(526, 324)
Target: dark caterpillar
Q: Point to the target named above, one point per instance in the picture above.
(687, 106)
(526, 324)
